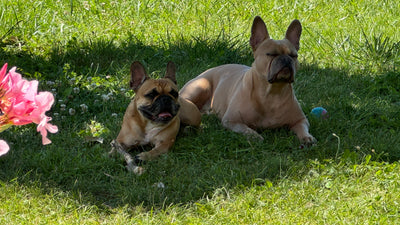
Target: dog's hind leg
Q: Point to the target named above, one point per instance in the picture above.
(189, 114)
(242, 128)
(199, 91)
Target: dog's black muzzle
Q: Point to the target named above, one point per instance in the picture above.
(163, 109)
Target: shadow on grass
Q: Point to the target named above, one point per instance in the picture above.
(364, 111)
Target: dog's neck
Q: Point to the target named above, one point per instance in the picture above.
(279, 88)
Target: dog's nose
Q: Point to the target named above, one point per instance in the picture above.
(167, 103)
(283, 70)
(285, 60)
(165, 99)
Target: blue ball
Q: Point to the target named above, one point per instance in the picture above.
(319, 112)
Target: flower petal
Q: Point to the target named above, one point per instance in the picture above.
(43, 126)
(4, 148)
(45, 140)
(30, 90)
(3, 72)
(4, 78)
(16, 78)
(52, 128)
(44, 100)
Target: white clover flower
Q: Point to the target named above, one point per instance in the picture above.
(63, 107)
(60, 100)
(53, 90)
(76, 90)
(105, 97)
(72, 81)
(114, 115)
(122, 89)
(56, 114)
(84, 108)
(159, 185)
(71, 111)
(86, 5)
(50, 83)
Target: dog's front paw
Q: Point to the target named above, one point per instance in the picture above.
(139, 159)
(138, 170)
(250, 133)
(308, 140)
(254, 137)
(142, 157)
(114, 145)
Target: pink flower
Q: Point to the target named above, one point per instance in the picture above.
(20, 103)
(3, 147)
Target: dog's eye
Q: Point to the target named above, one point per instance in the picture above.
(293, 55)
(152, 94)
(272, 54)
(174, 93)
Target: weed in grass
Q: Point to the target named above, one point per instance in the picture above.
(379, 53)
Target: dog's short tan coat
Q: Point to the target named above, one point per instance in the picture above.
(261, 96)
(143, 126)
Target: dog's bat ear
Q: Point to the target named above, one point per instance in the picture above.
(259, 33)
(171, 71)
(138, 75)
(293, 33)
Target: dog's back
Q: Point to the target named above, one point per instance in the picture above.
(205, 89)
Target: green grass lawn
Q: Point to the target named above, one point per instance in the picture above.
(81, 52)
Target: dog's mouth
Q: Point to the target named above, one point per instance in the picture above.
(281, 70)
(285, 75)
(164, 116)
(161, 111)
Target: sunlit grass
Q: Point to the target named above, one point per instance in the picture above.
(81, 51)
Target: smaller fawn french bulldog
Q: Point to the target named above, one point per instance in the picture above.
(153, 116)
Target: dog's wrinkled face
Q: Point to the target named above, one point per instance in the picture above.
(276, 60)
(157, 100)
